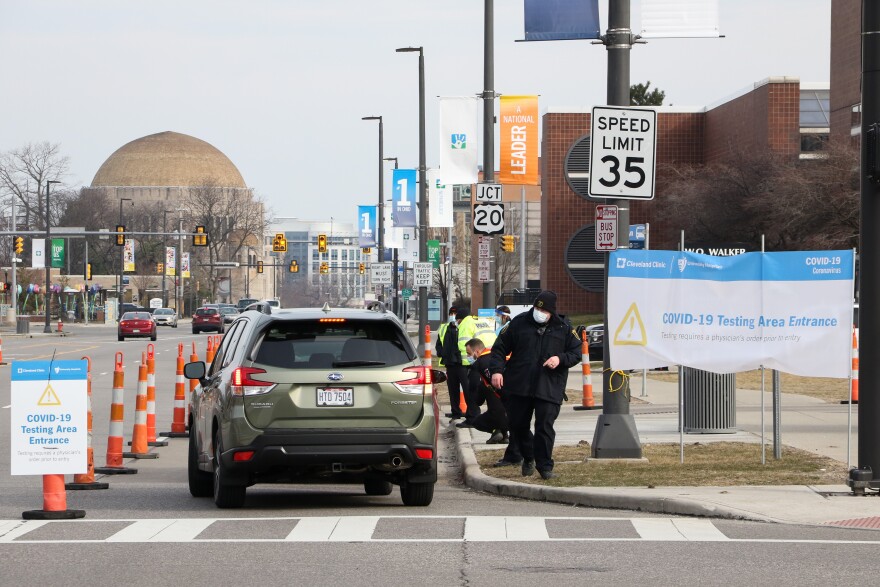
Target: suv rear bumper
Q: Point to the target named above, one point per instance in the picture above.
(322, 453)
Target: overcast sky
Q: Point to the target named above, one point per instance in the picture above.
(280, 86)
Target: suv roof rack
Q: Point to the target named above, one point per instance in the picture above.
(377, 307)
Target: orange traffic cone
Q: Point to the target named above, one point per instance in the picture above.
(427, 346)
(54, 502)
(587, 402)
(209, 352)
(117, 413)
(139, 446)
(854, 391)
(178, 425)
(87, 480)
(151, 399)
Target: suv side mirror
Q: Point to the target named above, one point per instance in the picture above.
(195, 370)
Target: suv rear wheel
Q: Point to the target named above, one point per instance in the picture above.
(225, 496)
(417, 494)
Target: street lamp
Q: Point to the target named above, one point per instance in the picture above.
(381, 240)
(48, 255)
(394, 278)
(165, 255)
(423, 193)
(121, 263)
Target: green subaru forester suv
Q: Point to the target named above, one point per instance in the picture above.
(314, 396)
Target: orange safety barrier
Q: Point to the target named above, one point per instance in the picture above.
(114, 438)
(54, 502)
(178, 423)
(151, 398)
(60, 325)
(854, 392)
(2, 362)
(427, 346)
(193, 357)
(209, 352)
(139, 446)
(587, 402)
(87, 480)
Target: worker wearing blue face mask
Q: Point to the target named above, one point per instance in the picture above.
(530, 360)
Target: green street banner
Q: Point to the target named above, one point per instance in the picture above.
(434, 253)
(57, 252)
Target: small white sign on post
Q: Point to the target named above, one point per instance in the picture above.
(483, 270)
(49, 417)
(381, 273)
(483, 247)
(606, 228)
(422, 274)
(488, 192)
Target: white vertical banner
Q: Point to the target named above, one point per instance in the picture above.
(184, 265)
(393, 235)
(439, 201)
(38, 253)
(680, 18)
(410, 249)
(170, 261)
(458, 140)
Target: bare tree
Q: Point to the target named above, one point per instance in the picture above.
(23, 175)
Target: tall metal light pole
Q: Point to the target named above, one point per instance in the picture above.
(164, 256)
(394, 277)
(380, 241)
(489, 126)
(119, 286)
(47, 258)
(423, 194)
(616, 435)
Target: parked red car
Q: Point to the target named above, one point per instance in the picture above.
(136, 324)
(208, 319)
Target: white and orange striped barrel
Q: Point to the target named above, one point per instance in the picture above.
(427, 346)
(854, 392)
(139, 434)
(178, 424)
(151, 393)
(587, 379)
(89, 475)
(117, 413)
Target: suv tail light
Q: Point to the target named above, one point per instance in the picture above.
(419, 385)
(242, 384)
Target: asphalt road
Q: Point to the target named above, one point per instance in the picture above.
(147, 530)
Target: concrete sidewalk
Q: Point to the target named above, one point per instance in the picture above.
(806, 423)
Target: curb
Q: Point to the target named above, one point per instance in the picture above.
(608, 498)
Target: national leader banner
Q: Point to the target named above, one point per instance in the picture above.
(519, 140)
(458, 141)
(790, 311)
(366, 226)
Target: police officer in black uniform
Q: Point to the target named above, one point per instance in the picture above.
(542, 348)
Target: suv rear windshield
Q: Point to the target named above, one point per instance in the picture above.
(321, 344)
(206, 311)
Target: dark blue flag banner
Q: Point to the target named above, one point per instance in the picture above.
(561, 20)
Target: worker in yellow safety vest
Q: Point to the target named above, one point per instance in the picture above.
(447, 349)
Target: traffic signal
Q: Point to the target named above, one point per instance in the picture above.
(325, 268)
(367, 250)
(19, 245)
(362, 268)
(120, 237)
(160, 267)
(201, 238)
(508, 243)
(259, 266)
(322, 243)
(87, 274)
(294, 267)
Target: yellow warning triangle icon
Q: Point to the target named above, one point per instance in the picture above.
(49, 397)
(631, 329)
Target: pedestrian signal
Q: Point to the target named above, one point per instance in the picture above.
(201, 237)
(294, 267)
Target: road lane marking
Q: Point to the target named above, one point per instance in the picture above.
(355, 529)
(657, 529)
(313, 530)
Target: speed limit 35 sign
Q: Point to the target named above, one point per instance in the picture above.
(606, 228)
(622, 153)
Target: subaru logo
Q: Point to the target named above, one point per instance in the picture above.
(334, 376)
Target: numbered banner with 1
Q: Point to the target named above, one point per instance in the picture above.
(49, 417)
(366, 226)
(403, 202)
(422, 274)
(488, 218)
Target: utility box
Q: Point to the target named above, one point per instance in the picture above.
(23, 325)
(709, 401)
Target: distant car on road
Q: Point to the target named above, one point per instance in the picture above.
(244, 303)
(229, 313)
(595, 339)
(207, 319)
(136, 324)
(165, 317)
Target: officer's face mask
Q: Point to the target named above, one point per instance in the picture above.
(452, 318)
(540, 316)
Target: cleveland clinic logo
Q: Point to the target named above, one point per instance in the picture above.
(682, 263)
(621, 262)
(458, 141)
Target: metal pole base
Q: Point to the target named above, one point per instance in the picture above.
(49, 515)
(176, 434)
(140, 455)
(86, 486)
(616, 437)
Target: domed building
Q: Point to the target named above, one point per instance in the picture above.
(168, 180)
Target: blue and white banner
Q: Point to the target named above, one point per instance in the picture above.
(458, 140)
(680, 18)
(790, 311)
(366, 224)
(561, 20)
(439, 201)
(403, 199)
